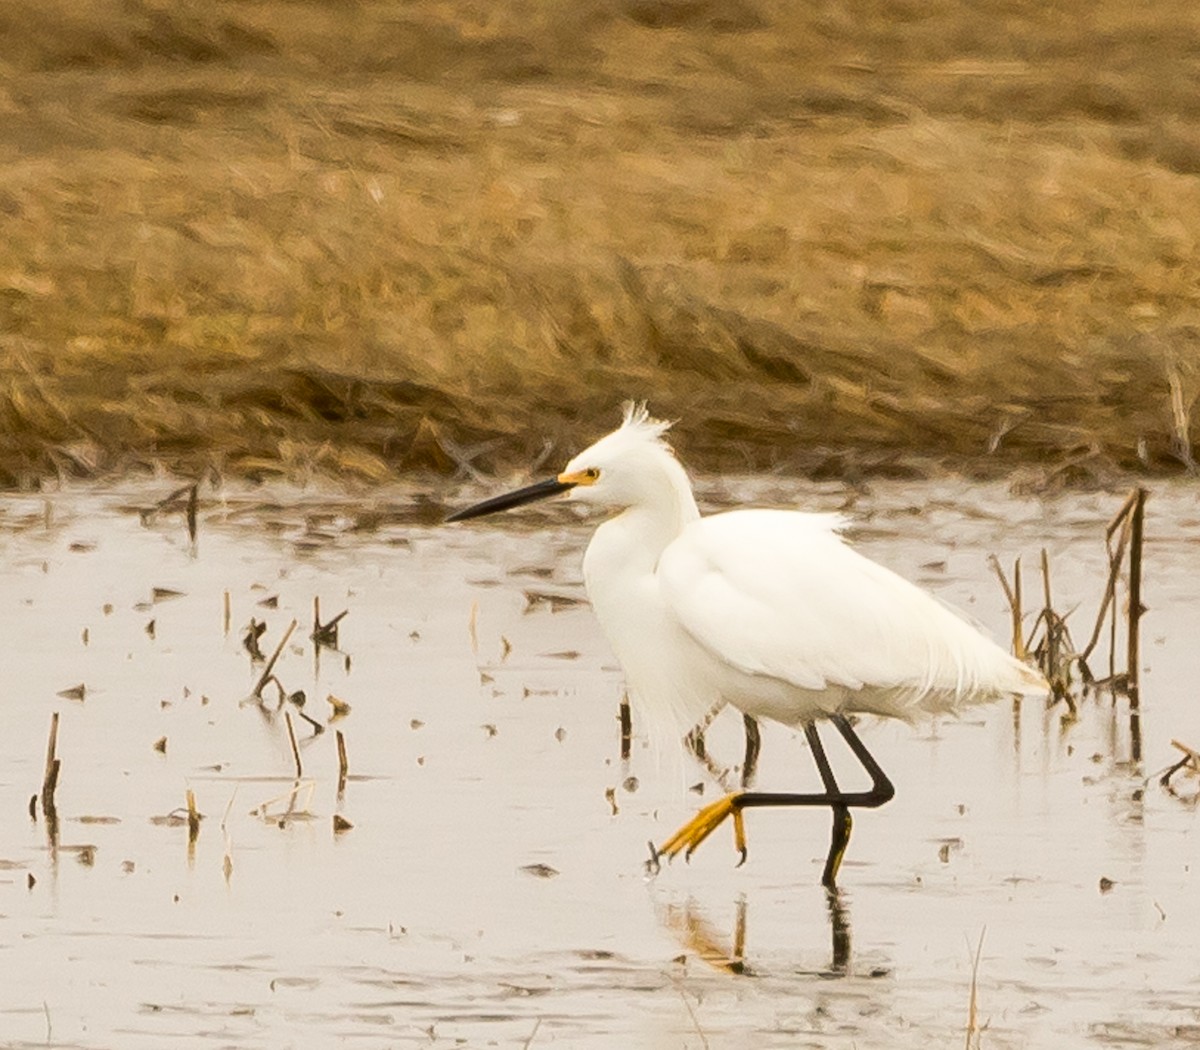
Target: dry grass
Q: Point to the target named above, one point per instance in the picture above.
(286, 236)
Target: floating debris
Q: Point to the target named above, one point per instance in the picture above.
(76, 692)
(540, 871)
(250, 642)
(535, 600)
(164, 594)
(340, 824)
(291, 797)
(340, 708)
(177, 818)
(160, 745)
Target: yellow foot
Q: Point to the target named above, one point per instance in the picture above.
(704, 823)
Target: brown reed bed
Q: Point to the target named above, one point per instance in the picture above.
(376, 240)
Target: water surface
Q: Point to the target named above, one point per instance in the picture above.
(487, 893)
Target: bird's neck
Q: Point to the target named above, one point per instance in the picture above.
(632, 542)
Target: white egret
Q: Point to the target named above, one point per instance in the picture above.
(767, 610)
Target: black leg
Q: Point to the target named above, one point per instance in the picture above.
(843, 823)
(881, 787)
(687, 838)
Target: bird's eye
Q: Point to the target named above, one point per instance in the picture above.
(592, 473)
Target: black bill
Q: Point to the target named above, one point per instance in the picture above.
(529, 494)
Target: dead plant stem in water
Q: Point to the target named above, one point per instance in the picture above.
(974, 1030)
(1013, 595)
(193, 820)
(1135, 616)
(343, 764)
(50, 776)
(266, 674)
(287, 715)
(1116, 556)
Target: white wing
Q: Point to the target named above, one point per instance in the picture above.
(779, 593)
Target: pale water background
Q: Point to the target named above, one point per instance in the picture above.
(486, 894)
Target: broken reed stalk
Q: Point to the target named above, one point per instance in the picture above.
(325, 633)
(1116, 555)
(266, 675)
(626, 727)
(193, 818)
(1013, 594)
(1049, 617)
(192, 506)
(1133, 658)
(50, 776)
(343, 763)
(227, 615)
(295, 747)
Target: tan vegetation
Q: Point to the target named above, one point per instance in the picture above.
(278, 236)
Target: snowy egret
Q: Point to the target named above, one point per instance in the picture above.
(769, 611)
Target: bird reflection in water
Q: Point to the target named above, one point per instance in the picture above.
(699, 935)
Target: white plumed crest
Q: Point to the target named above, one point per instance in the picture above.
(636, 418)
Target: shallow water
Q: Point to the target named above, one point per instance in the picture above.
(487, 893)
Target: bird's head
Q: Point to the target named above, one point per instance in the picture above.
(630, 466)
